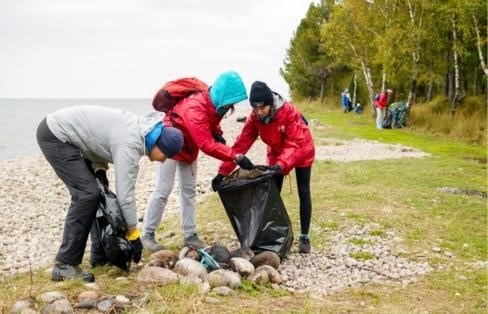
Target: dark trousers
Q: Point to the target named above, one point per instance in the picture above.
(303, 184)
(70, 166)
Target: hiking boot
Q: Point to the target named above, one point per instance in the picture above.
(64, 272)
(304, 245)
(194, 242)
(149, 243)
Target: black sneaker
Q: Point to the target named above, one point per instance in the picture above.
(194, 242)
(304, 246)
(65, 272)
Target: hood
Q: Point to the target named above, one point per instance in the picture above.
(227, 89)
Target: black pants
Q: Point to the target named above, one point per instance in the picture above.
(70, 166)
(303, 184)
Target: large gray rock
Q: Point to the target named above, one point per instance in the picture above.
(156, 275)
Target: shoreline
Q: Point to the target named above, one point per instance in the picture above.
(34, 200)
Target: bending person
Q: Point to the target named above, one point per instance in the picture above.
(198, 116)
(79, 142)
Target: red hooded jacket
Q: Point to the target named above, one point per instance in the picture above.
(382, 100)
(288, 139)
(197, 118)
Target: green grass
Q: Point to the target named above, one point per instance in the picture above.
(362, 256)
(400, 195)
(359, 241)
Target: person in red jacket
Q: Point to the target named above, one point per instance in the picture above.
(289, 145)
(380, 105)
(198, 118)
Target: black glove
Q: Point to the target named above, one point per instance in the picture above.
(217, 181)
(244, 162)
(136, 250)
(276, 168)
(102, 176)
(219, 138)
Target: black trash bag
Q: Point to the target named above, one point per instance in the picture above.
(253, 204)
(110, 229)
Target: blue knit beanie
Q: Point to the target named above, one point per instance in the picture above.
(170, 141)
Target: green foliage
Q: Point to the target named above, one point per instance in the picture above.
(405, 40)
(307, 65)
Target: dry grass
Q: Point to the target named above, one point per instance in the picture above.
(468, 125)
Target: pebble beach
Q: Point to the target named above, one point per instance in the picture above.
(34, 203)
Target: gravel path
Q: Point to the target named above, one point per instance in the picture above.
(33, 202)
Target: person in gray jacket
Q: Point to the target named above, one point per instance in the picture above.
(79, 142)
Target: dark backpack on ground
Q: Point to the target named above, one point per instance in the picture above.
(388, 119)
(174, 91)
(400, 115)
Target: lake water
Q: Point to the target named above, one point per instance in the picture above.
(19, 119)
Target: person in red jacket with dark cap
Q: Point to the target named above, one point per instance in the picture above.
(289, 145)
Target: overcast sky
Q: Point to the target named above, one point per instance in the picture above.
(128, 48)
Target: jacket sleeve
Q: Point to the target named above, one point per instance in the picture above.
(198, 124)
(126, 168)
(241, 145)
(294, 140)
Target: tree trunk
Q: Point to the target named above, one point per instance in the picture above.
(322, 88)
(383, 82)
(478, 44)
(457, 87)
(428, 94)
(415, 57)
(367, 77)
(411, 95)
(475, 81)
(354, 91)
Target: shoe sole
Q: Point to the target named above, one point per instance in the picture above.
(61, 278)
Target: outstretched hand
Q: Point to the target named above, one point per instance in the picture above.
(244, 162)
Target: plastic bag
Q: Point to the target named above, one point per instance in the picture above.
(258, 216)
(111, 228)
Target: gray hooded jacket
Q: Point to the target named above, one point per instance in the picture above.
(108, 135)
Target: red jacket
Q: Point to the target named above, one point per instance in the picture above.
(197, 118)
(382, 101)
(288, 139)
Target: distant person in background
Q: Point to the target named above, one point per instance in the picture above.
(289, 142)
(346, 101)
(380, 105)
(79, 142)
(198, 116)
(358, 109)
